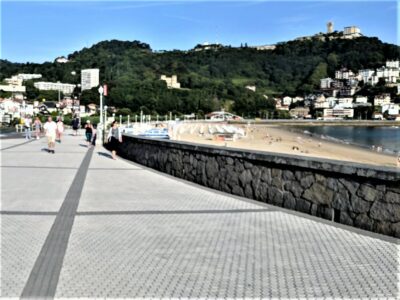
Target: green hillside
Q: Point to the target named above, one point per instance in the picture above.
(211, 78)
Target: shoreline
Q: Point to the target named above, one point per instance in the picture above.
(329, 138)
(283, 139)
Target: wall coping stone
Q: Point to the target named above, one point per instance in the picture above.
(320, 164)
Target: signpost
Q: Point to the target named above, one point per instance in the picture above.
(100, 126)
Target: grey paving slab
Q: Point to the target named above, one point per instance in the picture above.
(34, 189)
(248, 255)
(22, 238)
(139, 189)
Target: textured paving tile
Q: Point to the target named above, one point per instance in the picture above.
(146, 190)
(22, 238)
(264, 254)
(34, 189)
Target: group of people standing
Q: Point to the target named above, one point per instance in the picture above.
(38, 126)
(54, 132)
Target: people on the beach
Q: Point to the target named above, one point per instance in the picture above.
(50, 128)
(114, 138)
(38, 127)
(27, 127)
(75, 125)
(88, 132)
(60, 129)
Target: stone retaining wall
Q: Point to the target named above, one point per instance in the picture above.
(358, 195)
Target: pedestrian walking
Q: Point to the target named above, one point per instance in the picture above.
(88, 132)
(38, 127)
(50, 128)
(114, 138)
(27, 126)
(75, 125)
(60, 129)
(94, 132)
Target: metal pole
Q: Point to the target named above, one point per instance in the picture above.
(120, 119)
(128, 119)
(100, 127)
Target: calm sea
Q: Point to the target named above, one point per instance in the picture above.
(386, 137)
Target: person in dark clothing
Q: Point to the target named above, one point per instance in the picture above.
(114, 138)
(88, 132)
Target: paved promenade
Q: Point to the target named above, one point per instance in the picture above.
(79, 224)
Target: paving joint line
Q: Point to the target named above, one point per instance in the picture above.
(172, 212)
(21, 144)
(43, 279)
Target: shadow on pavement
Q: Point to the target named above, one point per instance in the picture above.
(104, 154)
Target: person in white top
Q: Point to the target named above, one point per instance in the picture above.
(27, 125)
(60, 129)
(50, 128)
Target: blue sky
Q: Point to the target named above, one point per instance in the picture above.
(38, 31)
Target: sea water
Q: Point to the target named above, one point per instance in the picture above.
(386, 137)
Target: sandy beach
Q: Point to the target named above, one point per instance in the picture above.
(279, 139)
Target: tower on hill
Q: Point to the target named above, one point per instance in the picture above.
(329, 26)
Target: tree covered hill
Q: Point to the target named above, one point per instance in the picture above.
(210, 78)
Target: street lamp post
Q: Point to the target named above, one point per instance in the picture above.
(101, 90)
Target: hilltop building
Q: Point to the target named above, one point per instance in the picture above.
(172, 82)
(89, 78)
(61, 60)
(329, 27)
(66, 88)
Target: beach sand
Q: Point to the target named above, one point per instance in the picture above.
(280, 139)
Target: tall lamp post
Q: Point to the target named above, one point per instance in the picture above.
(101, 90)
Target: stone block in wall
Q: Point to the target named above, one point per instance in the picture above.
(303, 205)
(364, 222)
(351, 186)
(345, 218)
(275, 196)
(289, 201)
(236, 190)
(318, 194)
(382, 211)
(396, 229)
(392, 197)
(294, 187)
(266, 175)
(245, 177)
(248, 191)
(369, 193)
(383, 228)
(307, 181)
(358, 205)
(261, 192)
(341, 201)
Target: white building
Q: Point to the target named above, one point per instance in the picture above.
(61, 60)
(346, 102)
(351, 32)
(66, 88)
(344, 74)
(172, 82)
(13, 81)
(13, 88)
(381, 100)
(251, 87)
(326, 83)
(361, 99)
(28, 76)
(89, 78)
(393, 64)
(338, 112)
(393, 109)
(287, 100)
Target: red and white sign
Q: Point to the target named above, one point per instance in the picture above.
(105, 92)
